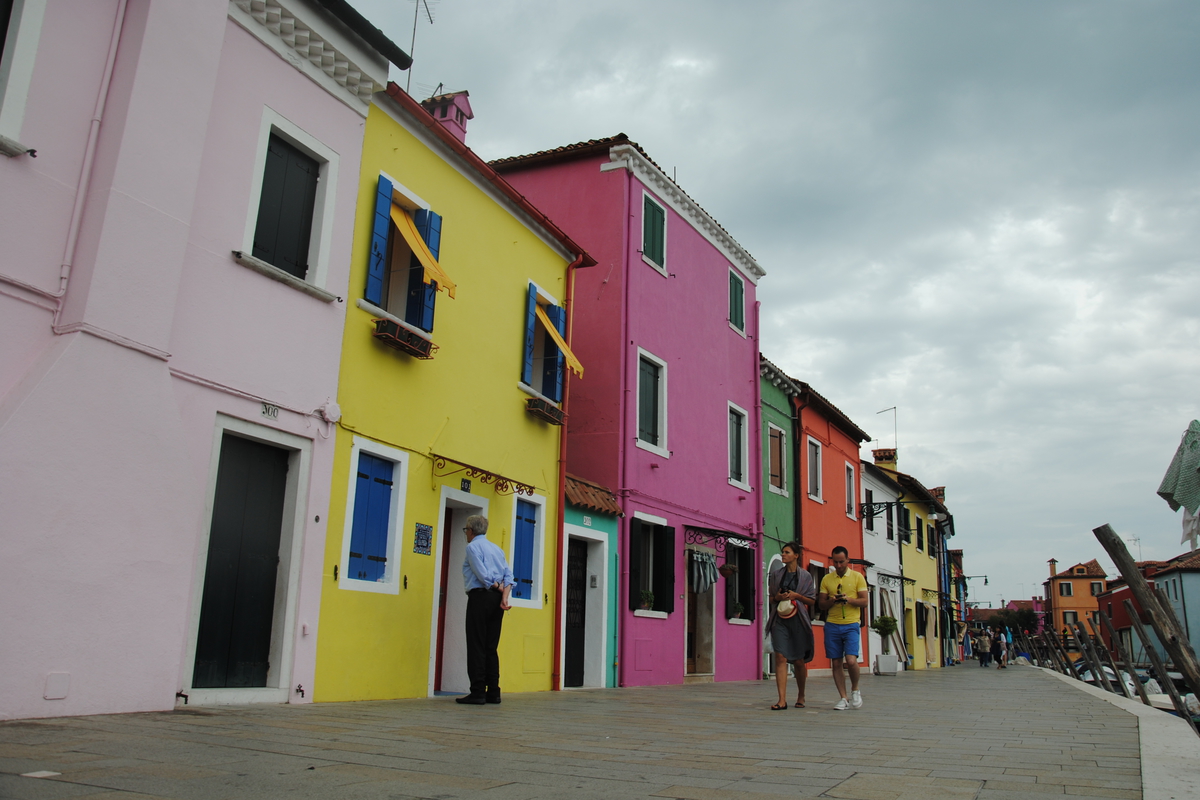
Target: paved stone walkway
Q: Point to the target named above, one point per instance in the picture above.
(954, 733)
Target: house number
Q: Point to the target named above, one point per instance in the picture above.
(269, 411)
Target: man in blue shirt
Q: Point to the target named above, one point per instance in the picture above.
(489, 580)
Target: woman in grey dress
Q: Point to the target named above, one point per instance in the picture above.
(791, 636)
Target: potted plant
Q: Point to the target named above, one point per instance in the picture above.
(738, 608)
(885, 626)
(647, 599)
(727, 569)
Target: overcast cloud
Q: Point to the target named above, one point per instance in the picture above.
(985, 214)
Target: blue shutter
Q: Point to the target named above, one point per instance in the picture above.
(429, 225)
(422, 297)
(554, 360)
(523, 550)
(372, 508)
(377, 262)
(356, 568)
(530, 328)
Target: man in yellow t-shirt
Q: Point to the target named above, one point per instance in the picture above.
(843, 593)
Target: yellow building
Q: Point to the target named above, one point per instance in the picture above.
(921, 540)
(452, 392)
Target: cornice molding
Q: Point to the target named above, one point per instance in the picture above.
(294, 37)
(625, 156)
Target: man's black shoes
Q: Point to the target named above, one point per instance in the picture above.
(471, 700)
(493, 699)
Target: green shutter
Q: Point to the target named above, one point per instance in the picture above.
(654, 223)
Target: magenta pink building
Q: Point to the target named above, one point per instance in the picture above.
(174, 262)
(667, 324)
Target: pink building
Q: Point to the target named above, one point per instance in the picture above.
(171, 314)
(667, 323)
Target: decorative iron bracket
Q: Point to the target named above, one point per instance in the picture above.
(502, 484)
(930, 594)
(715, 538)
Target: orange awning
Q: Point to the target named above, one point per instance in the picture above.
(408, 229)
(572, 361)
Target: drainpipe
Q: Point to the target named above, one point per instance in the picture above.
(85, 177)
(556, 671)
(797, 509)
(622, 432)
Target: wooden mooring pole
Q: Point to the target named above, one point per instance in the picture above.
(1159, 668)
(1162, 620)
(1112, 632)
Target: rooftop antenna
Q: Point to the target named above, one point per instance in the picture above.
(895, 428)
(1138, 541)
(413, 45)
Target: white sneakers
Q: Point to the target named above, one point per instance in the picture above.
(855, 701)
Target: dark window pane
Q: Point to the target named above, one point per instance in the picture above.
(653, 230)
(285, 208)
(649, 378)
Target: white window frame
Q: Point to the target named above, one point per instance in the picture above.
(662, 448)
(820, 495)
(660, 268)
(868, 518)
(1066, 589)
(742, 330)
(851, 483)
(783, 473)
(391, 576)
(743, 484)
(321, 238)
(1074, 614)
(539, 550)
(16, 68)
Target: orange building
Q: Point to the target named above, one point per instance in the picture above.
(1071, 596)
(828, 493)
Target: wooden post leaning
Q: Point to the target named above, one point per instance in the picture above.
(1106, 655)
(1159, 668)
(1163, 621)
(1112, 632)
(1061, 651)
(1055, 664)
(1063, 664)
(1093, 660)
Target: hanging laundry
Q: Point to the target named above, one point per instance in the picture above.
(704, 571)
(1191, 528)
(1181, 485)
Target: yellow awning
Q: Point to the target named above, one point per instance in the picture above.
(572, 361)
(408, 229)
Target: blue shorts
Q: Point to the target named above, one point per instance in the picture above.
(842, 640)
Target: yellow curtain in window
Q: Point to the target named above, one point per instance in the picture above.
(572, 361)
(433, 272)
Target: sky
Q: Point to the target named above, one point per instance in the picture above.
(983, 214)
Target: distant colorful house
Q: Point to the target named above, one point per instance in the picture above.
(922, 514)
(453, 389)
(1071, 597)
(881, 550)
(666, 415)
(779, 471)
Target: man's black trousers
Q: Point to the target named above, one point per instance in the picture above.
(484, 618)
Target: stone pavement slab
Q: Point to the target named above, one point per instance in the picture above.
(960, 733)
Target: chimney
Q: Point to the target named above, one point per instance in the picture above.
(885, 457)
(452, 111)
(1053, 567)
(939, 492)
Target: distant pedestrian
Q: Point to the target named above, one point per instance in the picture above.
(488, 580)
(984, 646)
(998, 648)
(844, 594)
(793, 590)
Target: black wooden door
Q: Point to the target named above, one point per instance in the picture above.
(576, 611)
(234, 640)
